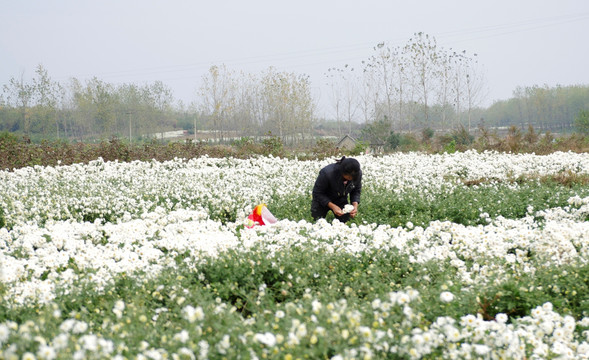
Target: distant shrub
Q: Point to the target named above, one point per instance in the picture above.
(393, 141)
(323, 148)
(408, 142)
(427, 134)
(359, 148)
(450, 148)
(272, 145)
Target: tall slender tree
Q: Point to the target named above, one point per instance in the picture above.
(423, 51)
(46, 97)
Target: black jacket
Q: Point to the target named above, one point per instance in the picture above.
(329, 186)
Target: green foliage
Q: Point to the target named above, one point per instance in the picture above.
(450, 148)
(258, 284)
(7, 138)
(376, 131)
(467, 205)
(295, 207)
(272, 145)
(359, 148)
(565, 287)
(393, 141)
(582, 122)
(323, 148)
(409, 143)
(427, 134)
(244, 141)
(247, 145)
(462, 137)
(534, 103)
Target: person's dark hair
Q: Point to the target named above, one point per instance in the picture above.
(349, 166)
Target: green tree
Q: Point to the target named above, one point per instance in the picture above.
(582, 122)
(377, 132)
(19, 94)
(287, 103)
(161, 101)
(94, 103)
(46, 94)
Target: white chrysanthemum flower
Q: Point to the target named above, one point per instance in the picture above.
(182, 336)
(4, 333)
(266, 338)
(501, 318)
(118, 308)
(79, 327)
(28, 356)
(481, 349)
(452, 333)
(446, 296)
(193, 314)
(46, 352)
(316, 306)
(223, 345)
(203, 352)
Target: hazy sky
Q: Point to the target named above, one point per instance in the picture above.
(519, 42)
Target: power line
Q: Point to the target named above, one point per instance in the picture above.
(348, 51)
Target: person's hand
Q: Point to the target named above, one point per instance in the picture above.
(337, 211)
(354, 212)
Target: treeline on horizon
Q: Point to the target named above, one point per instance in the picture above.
(417, 88)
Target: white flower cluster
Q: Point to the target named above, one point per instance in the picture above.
(147, 213)
(348, 209)
(151, 243)
(117, 191)
(40, 253)
(546, 332)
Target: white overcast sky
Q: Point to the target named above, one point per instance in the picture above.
(519, 42)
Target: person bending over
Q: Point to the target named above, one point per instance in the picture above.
(334, 184)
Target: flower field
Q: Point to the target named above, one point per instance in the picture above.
(463, 256)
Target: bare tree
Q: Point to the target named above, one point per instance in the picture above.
(350, 100)
(475, 87)
(336, 95)
(368, 95)
(425, 60)
(216, 94)
(386, 67)
(345, 94)
(458, 62)
(445, 74)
